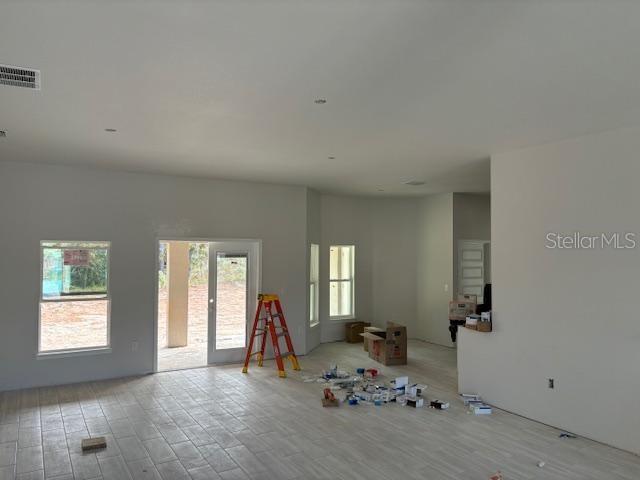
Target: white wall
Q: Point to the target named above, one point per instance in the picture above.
(435, 268)
(570, 315)
(472, 216)
(384, 232)
(39, 202)
(313, 236)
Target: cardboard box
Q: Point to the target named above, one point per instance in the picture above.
(467, 297)
(480, 326)
(484, 326)
(352, 331)
(370, 330)
(460, 310)
(388, 347)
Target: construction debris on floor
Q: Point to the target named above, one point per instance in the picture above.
(92, 444)
(329, 399)
(475, 404)
(367, 387)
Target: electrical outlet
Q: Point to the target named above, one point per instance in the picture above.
(551, 383)
(134, 346)
(446, 287)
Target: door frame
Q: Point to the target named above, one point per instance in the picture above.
(251, 250)
(168, 238)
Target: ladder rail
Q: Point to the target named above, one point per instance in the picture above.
(247, 358)
(269, 303)
(287, 337)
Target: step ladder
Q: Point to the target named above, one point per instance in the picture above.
(265, 324)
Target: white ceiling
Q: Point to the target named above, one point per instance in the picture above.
(415, 90)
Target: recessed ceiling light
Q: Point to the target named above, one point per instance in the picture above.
(3, 133)
(320, 101)
(110, 130)
(331, 158)
(414, 183)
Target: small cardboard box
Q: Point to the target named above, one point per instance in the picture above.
(352, 331)
(474, 322)
(370, 330)
(459, 310)
(388, 347)
(484, 326)
(467, 297)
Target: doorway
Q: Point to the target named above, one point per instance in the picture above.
(207, 291)
(474, 267)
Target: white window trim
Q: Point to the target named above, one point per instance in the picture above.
(352, 280)
(314, 283)
(80, 351)
(77, 352)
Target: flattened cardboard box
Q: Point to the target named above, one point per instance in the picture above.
(388, 347)
(353, 331)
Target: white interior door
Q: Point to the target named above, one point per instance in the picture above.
(471, 268)
(234, 273)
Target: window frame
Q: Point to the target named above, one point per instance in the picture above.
(314, 285)
(86, 245)
(352, 280)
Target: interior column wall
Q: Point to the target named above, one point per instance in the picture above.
(435, 268)
(562, 313)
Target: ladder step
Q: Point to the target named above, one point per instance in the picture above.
(265, 325)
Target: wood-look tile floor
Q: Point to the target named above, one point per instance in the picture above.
(216, 423)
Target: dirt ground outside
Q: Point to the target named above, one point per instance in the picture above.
(66, 325)
(231, 323)
(83, 324)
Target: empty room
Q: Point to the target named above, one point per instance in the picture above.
(319, 239)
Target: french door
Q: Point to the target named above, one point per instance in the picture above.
(233, 290)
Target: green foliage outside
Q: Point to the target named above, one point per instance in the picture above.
(229, 269)
(58, 278)
(92, 278)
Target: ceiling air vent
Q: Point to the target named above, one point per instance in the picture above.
(19, 77)
(414, 183)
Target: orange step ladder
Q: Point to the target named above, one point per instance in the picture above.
(264, 325)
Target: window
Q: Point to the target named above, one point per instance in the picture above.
(74, 299)
(314, 277)
(341, 276)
